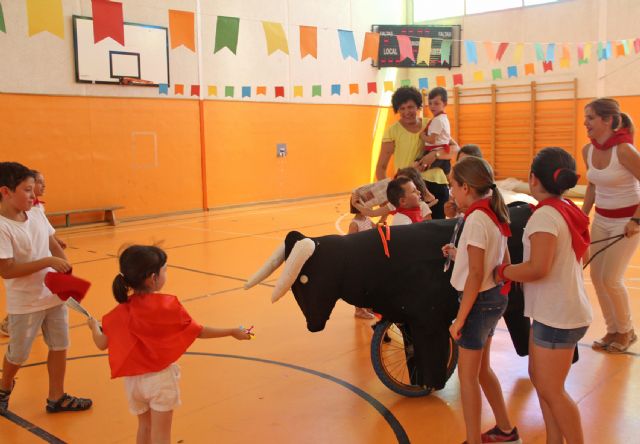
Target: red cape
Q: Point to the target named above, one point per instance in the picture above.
(577, 222)
(147, 334)
(485, 206)
(415, 214)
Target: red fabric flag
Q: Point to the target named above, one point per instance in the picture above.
(107, 21)
(372, 87)
(195, 90)
(457, 79)
(279, 91)
(636, 45)
(501, 50)
(547, 66)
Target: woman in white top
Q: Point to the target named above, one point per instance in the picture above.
(613, 170)
(555, 239)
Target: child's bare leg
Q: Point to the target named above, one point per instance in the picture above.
(161, 427)
(9, 371)
(57, 366)
(144, 428)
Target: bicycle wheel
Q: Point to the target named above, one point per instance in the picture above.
(392, 356)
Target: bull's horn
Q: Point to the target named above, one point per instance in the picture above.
(275, 260)
(302, 250)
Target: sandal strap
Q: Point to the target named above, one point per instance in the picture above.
(68, 401)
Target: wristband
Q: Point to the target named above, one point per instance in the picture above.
(501, 269)
(636, 220)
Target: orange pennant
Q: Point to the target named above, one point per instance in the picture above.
(308, 41)
(491, 55)
(261, 90)
(354, 88)
(371, 45)
(178, 89)
(529, 69)
(181, 26)
(441, 81)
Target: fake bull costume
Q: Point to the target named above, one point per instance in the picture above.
(407, 286)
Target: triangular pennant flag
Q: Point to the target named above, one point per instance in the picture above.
(388, 86)
(276, 38)
(496, 73)
(491, 55)
(620, 50)
(347, 44)
(609, 50)
(445, 52)
(580, 48)
(227, 30)
(441, 81)
(212, 90)
(371, 46)
(601, 52)
(564, 63)
(163, 88)
(539, 52)
(471, 50)
(181, 24)
(512, 71)
(551, 52)
(457, 79)
(627, 46)
(478, 76)
(406, 50)
(335, 90)
(245, 91)
(587, 51)
(372, 87)
(423, 83)
(518, 52)
(547, 65)
(424, 50)
(298, 91)
(501, 50)
(261, 90)
(229, 91)
(3, 28)
(279, 91)
(354, 88)
(566, 53)
(107, 21)
(529, 69)
(636, 45)
(316, 90)
(45, 15)
(178, 89)
(308, 42)
(405, 82)
(195, 90)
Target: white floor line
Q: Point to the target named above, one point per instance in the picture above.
(338, 221)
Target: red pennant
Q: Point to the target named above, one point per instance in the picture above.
(457, 79)
(279, 91)
(547, 66)
(107, 21)
(372, 87)
(501, 50)
(195, 90)
(636, 45)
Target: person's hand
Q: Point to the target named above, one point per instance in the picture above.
(427, 160)
(455, 330)
(496, 275)
(449, 250)
(450, 208)
(631, 229)
(59, 264)
(93, 324)
(241, 333)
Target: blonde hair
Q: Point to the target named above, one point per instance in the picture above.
(610, 108)
(478, 175)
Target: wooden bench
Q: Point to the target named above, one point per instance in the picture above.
(109, 214)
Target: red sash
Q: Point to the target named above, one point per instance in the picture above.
(621, 136)
(617, 213)
(147, 334)
(429, 148)
(415, 214)
(485, 206)
(577, 222)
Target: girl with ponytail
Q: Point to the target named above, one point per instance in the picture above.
(145, 334)
(482, 247)
(555, 240)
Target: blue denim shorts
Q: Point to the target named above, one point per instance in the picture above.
(551, 337)
(483, 318)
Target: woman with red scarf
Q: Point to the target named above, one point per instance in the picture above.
(613, 170)
(555, 239)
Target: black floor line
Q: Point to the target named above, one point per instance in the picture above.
(40, 433)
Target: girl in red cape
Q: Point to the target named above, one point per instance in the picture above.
(145, 334)
(555, 240)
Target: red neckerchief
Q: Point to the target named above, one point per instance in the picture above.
(577, 222)
(446, 146)
(37, 201)
(415, 214)
(621, 136)
(147, 334)
(485, 206)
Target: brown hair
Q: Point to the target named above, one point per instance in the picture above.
(414, 175)
(478, 175)
(610, 108)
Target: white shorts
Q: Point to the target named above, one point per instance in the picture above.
(159, 391)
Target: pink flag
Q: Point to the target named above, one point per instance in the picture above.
(636, 45)
(580, 51)
(406, 50)
(488, 46)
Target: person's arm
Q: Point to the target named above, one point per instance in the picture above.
(630, 159)
(212, 332)
(381, 211)
(10, 270)
(99, 338)
(62, 243)
(56, 248)
(471, 289)
(543, 247)
(386, 151)
(590, 193)
(353, 227)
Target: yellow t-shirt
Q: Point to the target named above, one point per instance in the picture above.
(407, 145)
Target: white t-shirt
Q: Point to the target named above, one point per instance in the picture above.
(559, 299)
(27, 241)
(403, 219)
(440, 125)
(478, 231)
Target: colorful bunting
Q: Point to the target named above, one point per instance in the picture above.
(181, 29)
(316, 90)
(195, 90)
(627, 45)
(261, 90)
(45, 15)
(212, 90)
(491, 55)
(636, 45)
(276, 38)
(163, 89)
(335, 90)
(478, 76)
(601, 52)
(445, 52)
(298, 91)
(406, 50)
(529, 69)
(547, 65)
(372, 87)
(539, 52)
(441, 81)
(518, 52)
(587, 52)
(496, 74)
(457, 79)
(227, 30)
(580, 48)
(245, 91)
(566, 54)
(609, 50)
(371, 46)
(620, 50)
(107, 21)
(354, 88)
(423, 83)
(3, 28)
(279, 91)
(512, 71)
(229, 91)
(405, 82)
(347, 44)
(501, 50)
(471, 50)
(178, 89)
(551, 52)
(424, 50)
(308, 41)
(388, 86)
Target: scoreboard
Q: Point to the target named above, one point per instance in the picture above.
(389, 52)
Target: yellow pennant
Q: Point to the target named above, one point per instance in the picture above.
(478, 76)
(424, 50)
(297, 91)
(388, 85)
(587, 51)
(213, 90)
(564, 63)
(276, 39)
(45, 15)
(517, 53)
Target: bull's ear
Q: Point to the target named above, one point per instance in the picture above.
(302, 250)
(275, 260)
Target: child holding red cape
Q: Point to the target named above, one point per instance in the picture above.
(145, 334)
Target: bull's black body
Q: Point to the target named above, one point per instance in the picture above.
(408, 287)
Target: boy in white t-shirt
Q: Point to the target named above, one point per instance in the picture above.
(403, 194)
(28, 251)
(437, 135)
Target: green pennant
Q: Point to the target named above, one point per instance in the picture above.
(583, 61)
(496, 73)
(229, 91)
(405, 82)
(3, 28)
(316, 90)
(227, 29)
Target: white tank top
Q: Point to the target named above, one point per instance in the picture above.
(363, 224)
(616, 187)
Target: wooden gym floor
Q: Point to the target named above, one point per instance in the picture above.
(287, 385)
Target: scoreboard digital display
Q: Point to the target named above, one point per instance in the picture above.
(389, 52)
